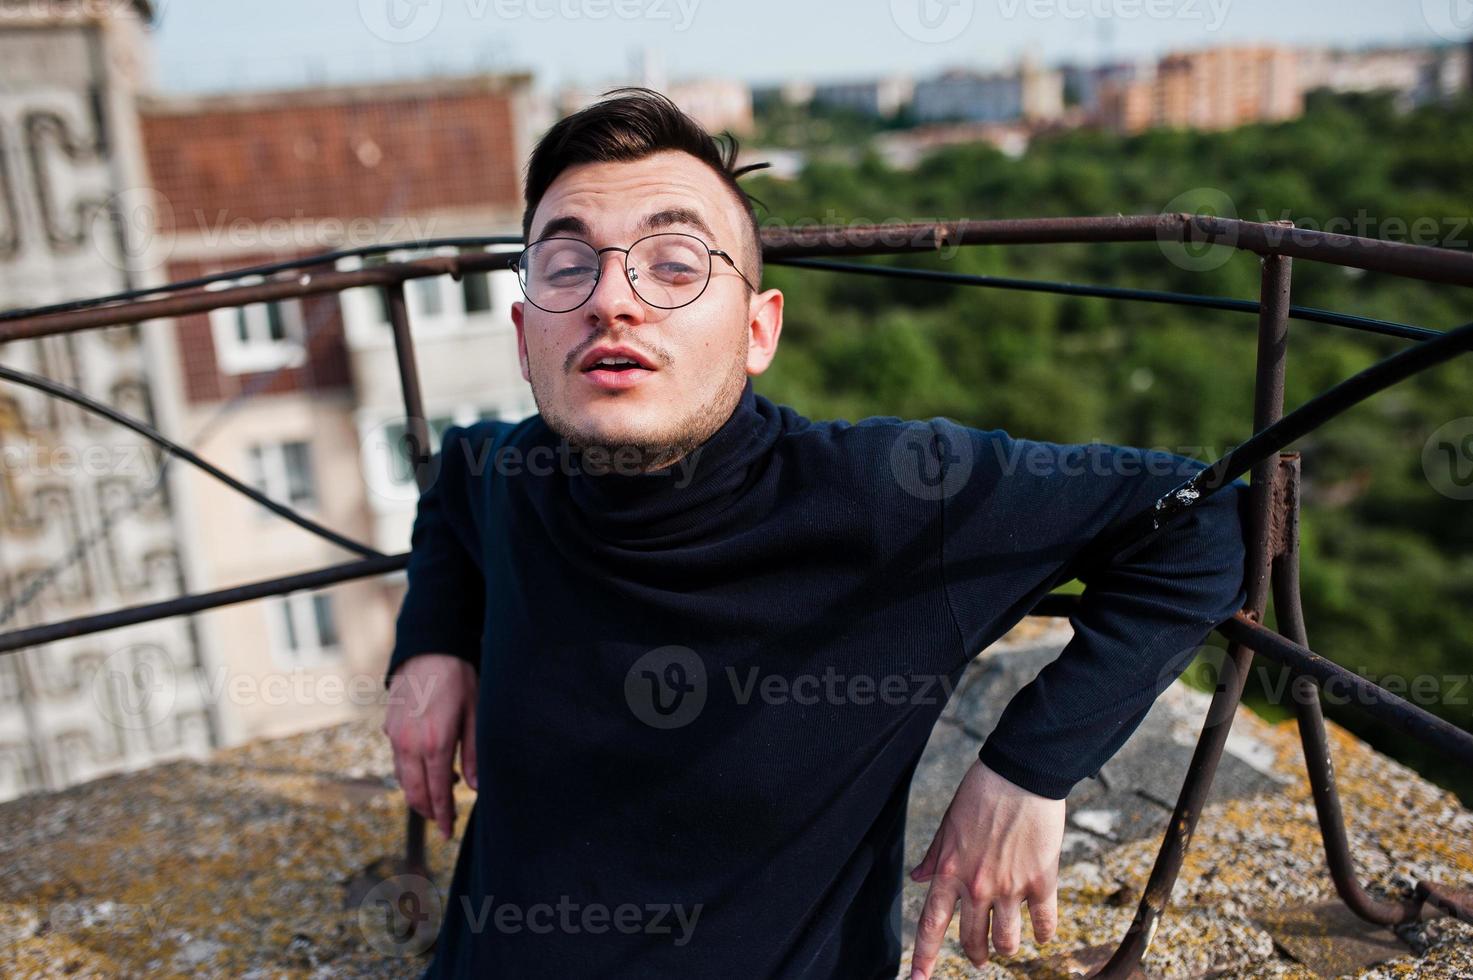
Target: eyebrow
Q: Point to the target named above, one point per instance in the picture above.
(572, 224)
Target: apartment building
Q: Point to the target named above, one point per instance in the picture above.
(302, 398)
(88, 522)
(1215, 88)
(1028, 92)
(1416, 75)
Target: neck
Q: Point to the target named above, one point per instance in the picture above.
(628, 460)
(682, 487)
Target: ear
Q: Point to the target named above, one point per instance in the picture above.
(765, 326)
(518, 312)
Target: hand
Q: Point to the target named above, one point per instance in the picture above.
(432, 707)
(998, 845)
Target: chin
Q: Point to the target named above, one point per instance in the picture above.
(612, 424)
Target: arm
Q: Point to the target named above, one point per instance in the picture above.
(1016, 528)
(432, 672)
(445, 603)
(1032, 509)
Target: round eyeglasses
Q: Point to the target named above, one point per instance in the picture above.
(666, 270)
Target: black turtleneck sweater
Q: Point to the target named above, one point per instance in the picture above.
(704, 689)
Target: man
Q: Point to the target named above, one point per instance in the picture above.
(690, 644)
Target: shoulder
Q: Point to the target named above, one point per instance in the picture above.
(885, 435)
(886, 455)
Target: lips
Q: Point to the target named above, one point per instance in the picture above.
(621, 359)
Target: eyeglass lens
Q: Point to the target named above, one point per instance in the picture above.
(666, 271)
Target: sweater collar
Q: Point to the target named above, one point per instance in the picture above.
(685, 494)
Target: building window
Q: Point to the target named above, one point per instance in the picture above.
(432, 303)
(426, 297)
(304, 628)
(257, 336)
(283, 472)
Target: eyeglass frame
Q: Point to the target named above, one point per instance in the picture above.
(598, 275)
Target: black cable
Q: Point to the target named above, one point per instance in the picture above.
(1387, 327)
(143, 429)
(1265, 443)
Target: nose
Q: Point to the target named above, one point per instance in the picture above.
(613, 298)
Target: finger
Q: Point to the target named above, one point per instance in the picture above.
(412, 779)
(974, 928)
(1007, 926)
(1043, 911)
(468, 745)
(927, 867)
(442, 800)
(931, 927)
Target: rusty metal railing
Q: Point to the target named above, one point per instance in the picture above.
(1274, 483)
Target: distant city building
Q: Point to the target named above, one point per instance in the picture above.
(1415, 75)
(878, 98)
(716, 103)
(1028, 92)
(905, 149)
(971, 96)
(301, 398)
(1043, 92)
(1216, 88)
(797, 92)
(1083, 83)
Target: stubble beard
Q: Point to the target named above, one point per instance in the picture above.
(642, 451)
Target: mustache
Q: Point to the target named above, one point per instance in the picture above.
(656, 355)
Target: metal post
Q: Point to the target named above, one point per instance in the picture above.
(1321, 765)
(1268, 407)
(417, 430)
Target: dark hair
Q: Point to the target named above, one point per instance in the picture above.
(632, 127)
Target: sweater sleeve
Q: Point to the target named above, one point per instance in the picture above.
(444, 606)
(1015, 527)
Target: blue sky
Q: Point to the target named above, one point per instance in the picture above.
(217, 45)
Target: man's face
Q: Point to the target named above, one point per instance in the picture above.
(698, 355)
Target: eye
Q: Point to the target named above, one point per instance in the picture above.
(678, 272)
(570, 273)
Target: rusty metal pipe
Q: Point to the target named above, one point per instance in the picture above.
(202, 301)
(1268, 406)
(1275, 238)
(199, 602)
(1317, 758)
(415, 860)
